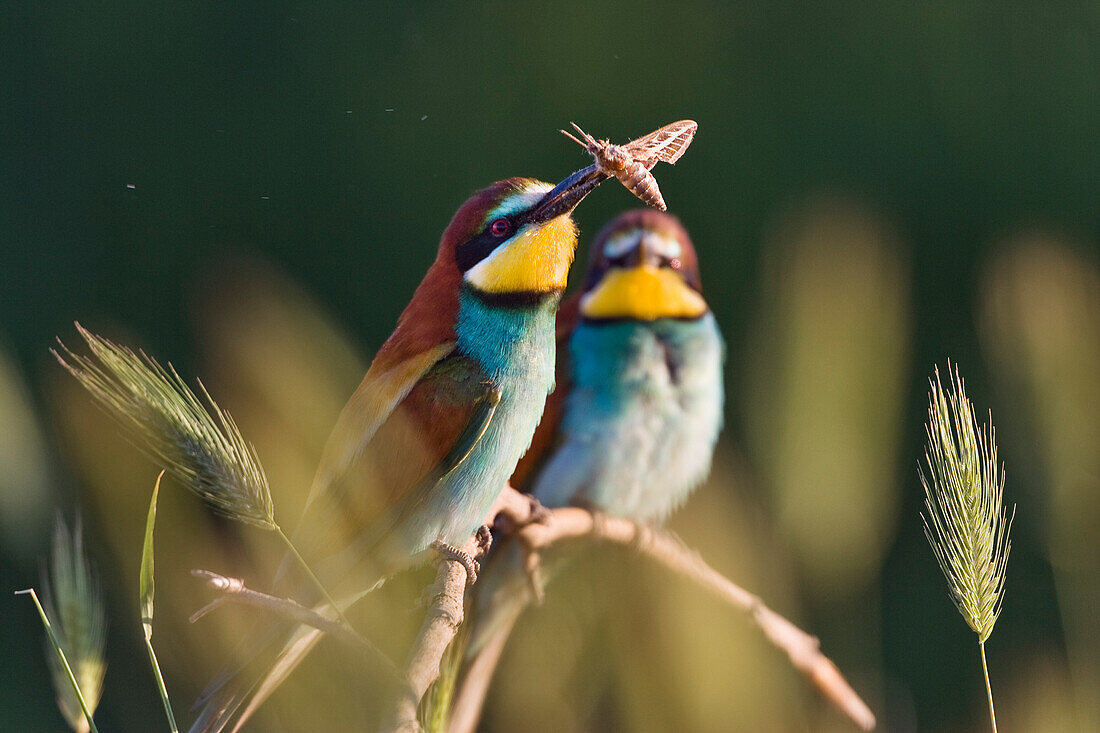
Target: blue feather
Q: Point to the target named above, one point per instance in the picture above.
(641, 419)
(515, 346)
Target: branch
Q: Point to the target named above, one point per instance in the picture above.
(538, 529)
(665, 548)
(440, 625)
(473, 684)
(234, 591)
(445, 614)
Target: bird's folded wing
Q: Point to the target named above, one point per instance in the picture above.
(380, 392)
(424, 420)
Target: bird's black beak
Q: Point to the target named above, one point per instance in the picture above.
(566, 195)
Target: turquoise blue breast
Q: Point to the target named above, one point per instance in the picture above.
(515, 347)
(641, 419)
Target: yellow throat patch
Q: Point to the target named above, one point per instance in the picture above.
(537, 259)
(643, 293)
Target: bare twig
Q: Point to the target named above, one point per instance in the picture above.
(665, 548)
(234, 591)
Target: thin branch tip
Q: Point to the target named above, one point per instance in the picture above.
(234, 590)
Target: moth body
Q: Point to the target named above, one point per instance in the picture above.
(631, 163)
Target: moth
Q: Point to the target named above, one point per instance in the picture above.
(631, 163)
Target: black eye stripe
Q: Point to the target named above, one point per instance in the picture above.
(474, 250)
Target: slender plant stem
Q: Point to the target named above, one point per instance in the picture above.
(160, 686)
(61, 656)
(313, 578)
(988, 689)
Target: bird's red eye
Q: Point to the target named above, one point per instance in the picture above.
(499, 227)
(675, 263)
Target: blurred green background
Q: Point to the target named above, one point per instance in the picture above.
(252, 191)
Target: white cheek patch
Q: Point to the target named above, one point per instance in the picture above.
(619, 244)
(666, 247)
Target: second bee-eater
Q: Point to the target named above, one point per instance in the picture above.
(443, 415)
(641, 409)
(632, 426)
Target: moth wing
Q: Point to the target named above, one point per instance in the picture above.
(667, 144)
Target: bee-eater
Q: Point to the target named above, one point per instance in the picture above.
(449, 405)
(639, 409)
(632, 425)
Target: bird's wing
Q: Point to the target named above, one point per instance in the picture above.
(381, 391)
(448, 410)
(424, 420)
(546, 434)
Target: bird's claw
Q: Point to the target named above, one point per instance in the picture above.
(536, 512)
(484, 539)
(450, 552)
